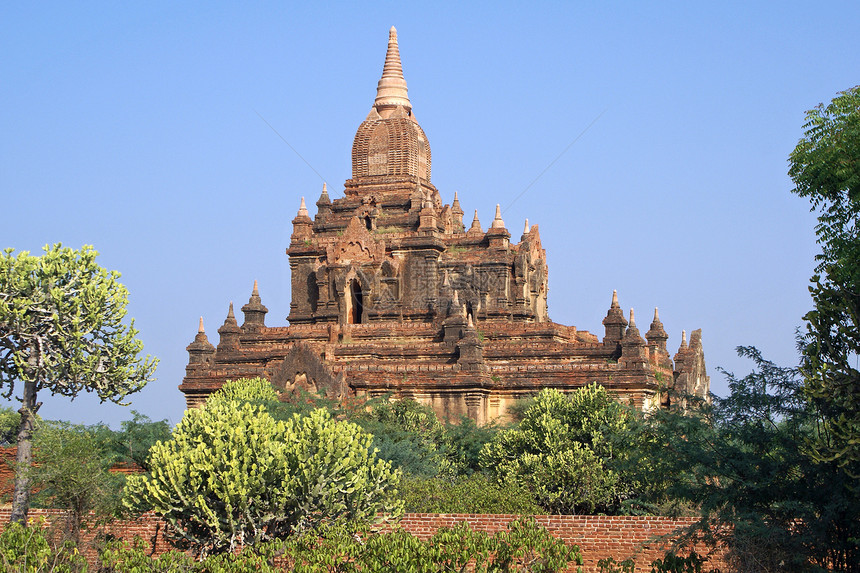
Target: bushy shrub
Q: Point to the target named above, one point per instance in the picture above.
(244, 390)
(563, 451)
(406, 433)
(524, 546)
(475, 493)
(29, 550)
(232, 475)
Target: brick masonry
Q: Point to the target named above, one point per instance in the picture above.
(598, 537)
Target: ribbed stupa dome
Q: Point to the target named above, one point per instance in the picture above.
(390, 141)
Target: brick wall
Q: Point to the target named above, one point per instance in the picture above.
(598, 537)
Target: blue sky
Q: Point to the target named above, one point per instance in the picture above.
(134, 127)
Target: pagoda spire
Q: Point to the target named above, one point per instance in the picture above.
(476, 224)
(303, 210)
(391, 89)
(498, 223)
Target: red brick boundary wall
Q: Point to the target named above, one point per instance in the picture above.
(598, 537)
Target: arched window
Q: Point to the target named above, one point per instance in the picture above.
(354, 303)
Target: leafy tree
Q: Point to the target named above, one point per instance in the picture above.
(61, 330)
(133, 442)
(10, 421)
(72, 473)
(825, 168)
(744, 463)
(406, 433)
(233, 475)
(464, 442)
(563, 450)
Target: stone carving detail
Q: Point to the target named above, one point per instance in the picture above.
(355, 245)
(302, 369)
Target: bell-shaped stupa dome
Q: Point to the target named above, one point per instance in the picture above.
(390, 142)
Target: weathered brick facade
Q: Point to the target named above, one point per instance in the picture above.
(392, 293)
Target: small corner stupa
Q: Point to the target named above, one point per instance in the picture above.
(391, 293)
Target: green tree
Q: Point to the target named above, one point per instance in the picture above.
(744, 463)
(406, 433)
(563, 450)
(233, 475)
(62, 330)
(135, 438)
(72, 473)
(825, 168)
(464, 442)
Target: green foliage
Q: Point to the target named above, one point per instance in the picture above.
(250, 390)
(71, 473)
(563, 451)
(610, 565)
(133, 442)
(233, 475)
(464, 442)
(474, 493)
(62, 330)
(743, 462)
(119, 557)
(61, 326)
(672, 563)
(525, 546)
(825, 168)
(10, 421)
(407, 434)
(29, 550)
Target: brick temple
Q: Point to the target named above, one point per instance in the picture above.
(392, 293)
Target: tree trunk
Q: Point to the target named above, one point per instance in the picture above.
(24, 459)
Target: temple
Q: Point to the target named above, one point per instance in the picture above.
(392, 293)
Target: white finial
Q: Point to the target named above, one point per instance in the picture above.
(656, 315)
(456, 299)
(632, 320)
(303, 209)
(526, 228)
(469, 322)
(200, 326)
(614, 299)
(683, 339)
(391, 89)
(497, 221)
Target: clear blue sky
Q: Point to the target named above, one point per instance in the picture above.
(134, 127)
